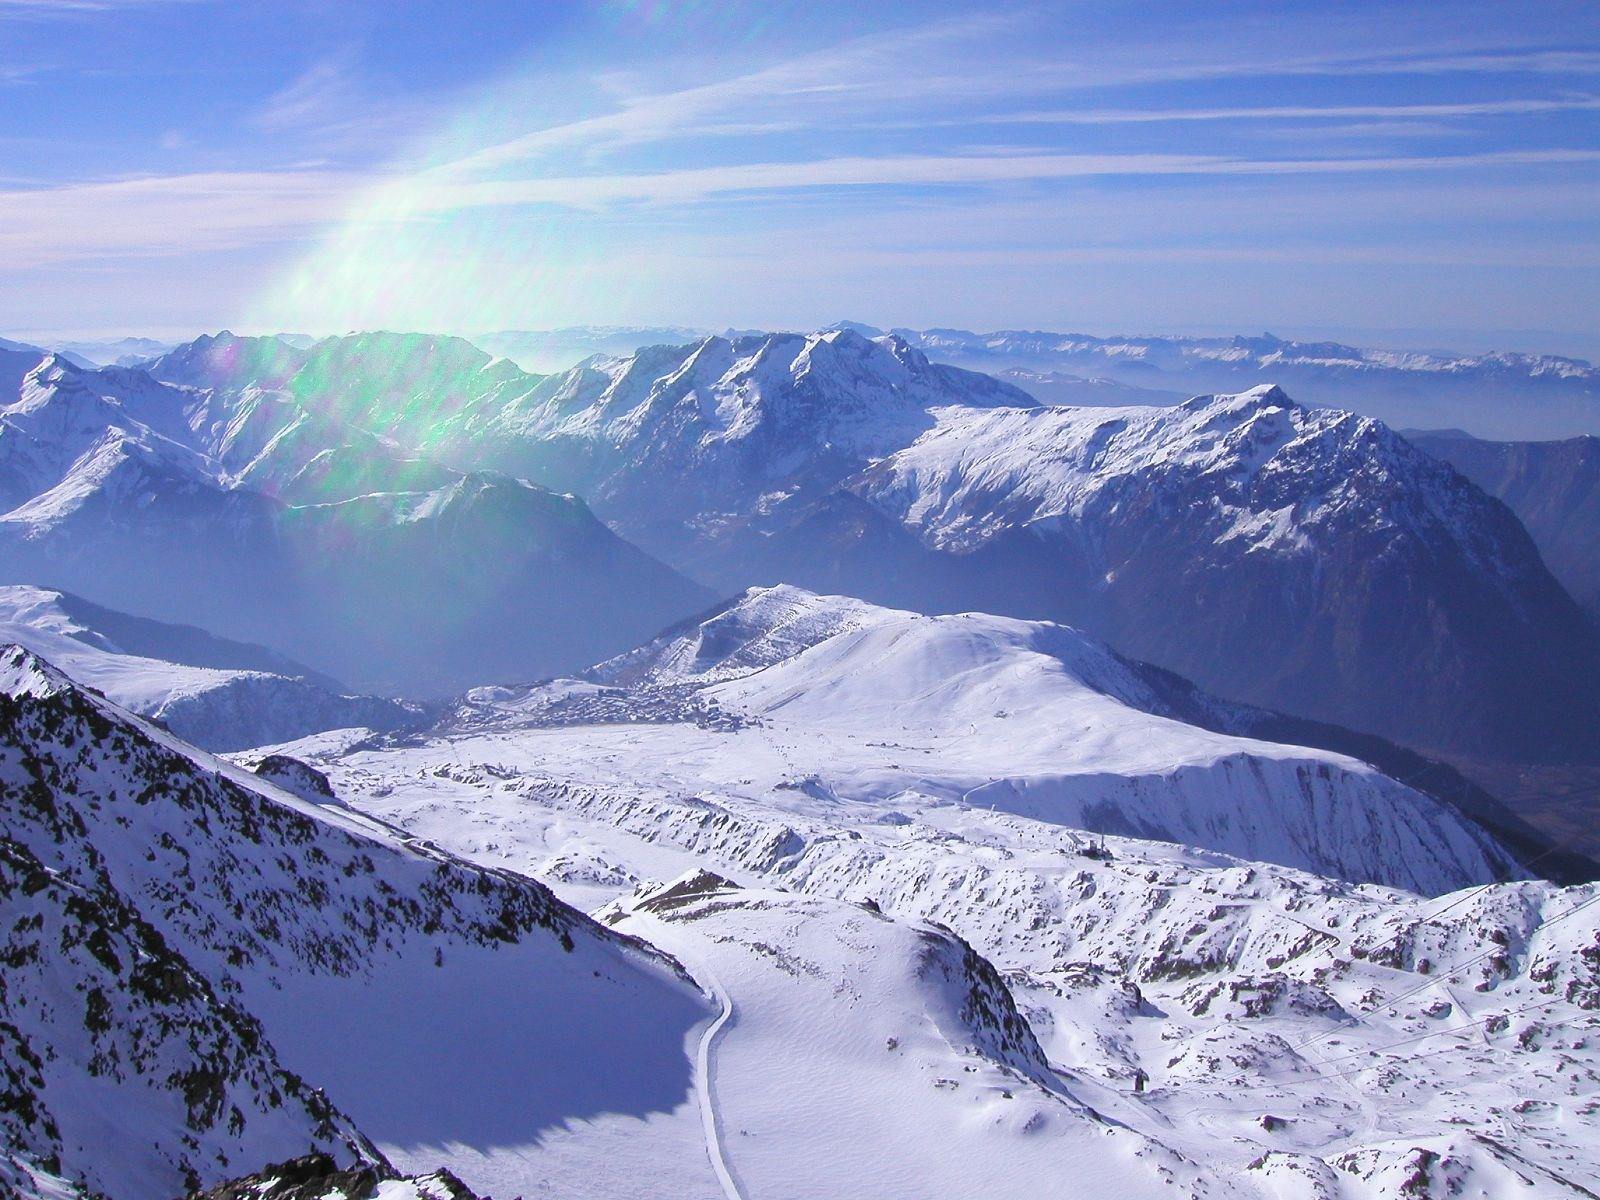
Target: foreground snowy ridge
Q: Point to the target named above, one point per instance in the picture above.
(1236, 1014)
(222, 941)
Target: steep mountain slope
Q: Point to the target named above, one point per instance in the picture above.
(1553, 487)
(488, 578)
(905, 1067)
(399, 386)
(1307, 560)
(239, 509)
(216, 694)
(226, 360)
(1289, 1035)
(685, 447)
(1498, 395)
(848, 703)
(16, 360)
(226, 934)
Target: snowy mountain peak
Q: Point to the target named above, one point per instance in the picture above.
(1266, 395)
(734, 426)
(759, 627)
(1037, 718)
(24, 673)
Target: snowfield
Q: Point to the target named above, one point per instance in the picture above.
(1197, 1023)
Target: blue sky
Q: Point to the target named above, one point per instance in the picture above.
(1425, 174)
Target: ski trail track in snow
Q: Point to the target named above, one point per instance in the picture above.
(704, 1082)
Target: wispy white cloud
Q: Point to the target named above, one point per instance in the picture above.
(46, 9)
(842, 78)
(164, 214)
(962, 72)
(1126, 116)
(320, 94)
(441, 191)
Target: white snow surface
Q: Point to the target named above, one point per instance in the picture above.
(1277, 471)
(859, 702)
(1298, 1035)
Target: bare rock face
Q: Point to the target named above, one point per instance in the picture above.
(318, 1177)
(300, 778)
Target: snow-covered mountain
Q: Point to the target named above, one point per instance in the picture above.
(240, 509)
(828, 460)
(1307, 560)
(1304, 559)
(859, 778)
(1507, 395)
(206, 973)
(214, 693)
(684, 444)
(856, 704)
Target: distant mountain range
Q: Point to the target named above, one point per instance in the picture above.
(1502, 395)
(1307, 560)
(377, 506)
(546, 350)
(280, 510)
(1505, 395)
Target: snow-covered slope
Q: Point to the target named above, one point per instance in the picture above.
(1288, 1034)
(867, 1056)
(840, 700)
(186, 943)
(1307, 560)
(187, 683)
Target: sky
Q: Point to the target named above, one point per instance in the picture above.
(1400, 174)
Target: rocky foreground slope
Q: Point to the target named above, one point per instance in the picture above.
(206, 973)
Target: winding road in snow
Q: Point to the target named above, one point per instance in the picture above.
(704, 1084)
